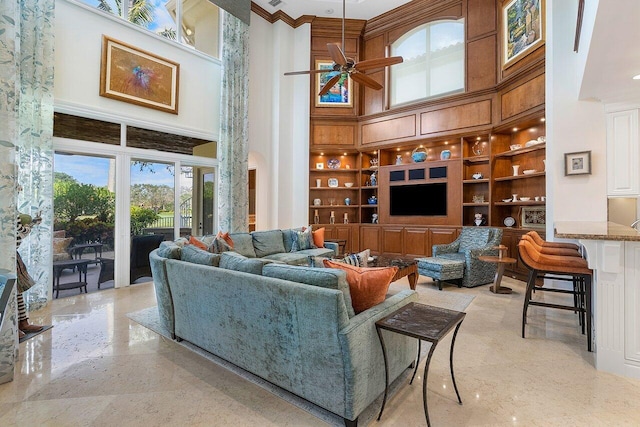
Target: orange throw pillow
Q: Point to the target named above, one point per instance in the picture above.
(318, 237)
(368, 286)
(197, 243)
(225, 237)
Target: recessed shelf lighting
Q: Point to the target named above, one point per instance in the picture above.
(515, 129)
(637, 77)
(543, 120)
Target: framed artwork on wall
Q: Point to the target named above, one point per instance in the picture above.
(133, 75)
(340, 94)
(578, 163)
(533, 217)
(522, 29)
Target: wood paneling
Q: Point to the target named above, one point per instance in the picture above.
(386, 130)
(441, 236)
(416, 242)
(370, 239)
(481, 18)
(392, 241)
(458, 117)
(523, 97)
(374, 99)
(481, 64)
(333, 134)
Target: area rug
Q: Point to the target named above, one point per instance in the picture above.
(455, 301)
(29, 335)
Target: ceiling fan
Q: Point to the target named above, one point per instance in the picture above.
(349, 67)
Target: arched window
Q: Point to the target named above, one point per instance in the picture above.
(433, 62)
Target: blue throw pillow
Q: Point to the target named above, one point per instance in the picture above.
(303, 240)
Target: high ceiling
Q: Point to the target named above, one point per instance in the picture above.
(355, 9)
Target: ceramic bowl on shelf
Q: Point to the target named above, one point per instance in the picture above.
(506, 200)
(348, 184)
(525, 199)
(515, 146)
(529, 171)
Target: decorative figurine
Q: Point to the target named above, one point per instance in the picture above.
(374, 218)
(399, 159)
(479, 219)
(374, 179)
(346, 218)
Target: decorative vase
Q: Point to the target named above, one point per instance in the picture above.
(399, 159)
(347, 201)
(445, 155)
(318, 182)
(332, 218)
(316, 217)
(477, 148)
(346, 218)
(515, 169)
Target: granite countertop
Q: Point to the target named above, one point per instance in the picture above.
(596, 230)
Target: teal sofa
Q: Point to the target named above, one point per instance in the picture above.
(291, 325)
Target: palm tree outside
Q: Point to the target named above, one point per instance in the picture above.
(140, 11)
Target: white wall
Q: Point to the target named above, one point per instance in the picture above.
(572, 125)
(78, 44)
(279, 122)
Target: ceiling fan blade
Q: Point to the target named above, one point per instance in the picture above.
(294, 73)
(336, 53)
(327, 87)
(370, 64)
(366, 80)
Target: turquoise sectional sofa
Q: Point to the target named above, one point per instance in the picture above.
(291, 325)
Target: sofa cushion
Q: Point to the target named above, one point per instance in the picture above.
(317, 252)
(237, 262)
(170, 250)
(303, 240)
(291, 258)
(192, 253)
(288, 237)
(243, 244)
(368, 286)
(220, 245)
(316, 261)
(267, 242)
(323, 277)
(59, 234)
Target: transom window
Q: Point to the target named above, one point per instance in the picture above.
(433, 62)
(199, 19)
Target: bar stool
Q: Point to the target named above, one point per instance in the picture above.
(558, 245)
(563, 265)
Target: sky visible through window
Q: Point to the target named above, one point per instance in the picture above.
(95, 170)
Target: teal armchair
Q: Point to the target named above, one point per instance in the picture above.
(472, 243)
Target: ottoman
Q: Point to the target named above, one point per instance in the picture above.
(441, 269)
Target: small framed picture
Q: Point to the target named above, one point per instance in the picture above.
(578, 163)
(533, 217)
(320, 165)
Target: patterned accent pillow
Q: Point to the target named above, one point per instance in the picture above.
(361, 259)
(220, 245)
(303, 240)
(197, 243)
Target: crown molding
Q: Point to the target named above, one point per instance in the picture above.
(281, 16)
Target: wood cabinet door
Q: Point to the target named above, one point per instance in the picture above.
(370, 239)
(392, 240)
(416, 242)
(344, 232)
(441, 236)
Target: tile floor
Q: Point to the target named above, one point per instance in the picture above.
(96, 367)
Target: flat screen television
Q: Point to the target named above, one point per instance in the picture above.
(419, 199)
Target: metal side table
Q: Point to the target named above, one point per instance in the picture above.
(423, 322)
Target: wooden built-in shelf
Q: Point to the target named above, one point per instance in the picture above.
(475, 181)
(476, 159)
(335, 188)
(476, 204)
(522, 150)
(511, 178)
(519, 203)
(334, 206)
(336, 170)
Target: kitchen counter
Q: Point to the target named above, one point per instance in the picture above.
(596, 230)
(613, 252)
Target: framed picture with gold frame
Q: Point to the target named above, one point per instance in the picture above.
(522, 29)
(133, 75)
(340, 95)
(533, 217)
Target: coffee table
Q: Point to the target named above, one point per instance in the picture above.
(80, 264)
(406, 267)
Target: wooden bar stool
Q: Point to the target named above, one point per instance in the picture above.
(571, 266)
